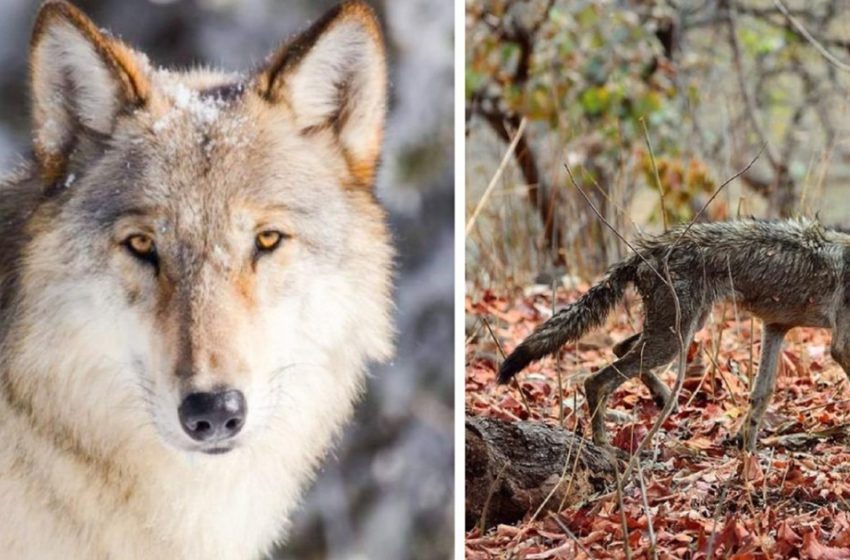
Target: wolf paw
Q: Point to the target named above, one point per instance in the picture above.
(739, 441)
(661, 400)
(734, 440)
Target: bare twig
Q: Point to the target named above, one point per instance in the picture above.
(653, 546)
(608, 224)
(572, 474)
(655, 171)
(749, 103)
(570, 534)
(766, 476)
(560, 481)
(810, 38)
(752, 370)
(493, 335)
(482, 523)
(734, 302)
(502, 352)
(710, 554)
(714, 195)
(626, 547)
(496, 176)
(558, 368)
(824, 405)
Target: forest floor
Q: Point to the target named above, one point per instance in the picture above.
(701, 497)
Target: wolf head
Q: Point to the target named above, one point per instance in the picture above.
(206, 266)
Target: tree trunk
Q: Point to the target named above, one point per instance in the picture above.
(512, 467)
(541, 196)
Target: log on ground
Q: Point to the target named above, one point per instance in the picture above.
(512, 467)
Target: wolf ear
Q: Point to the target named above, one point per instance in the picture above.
(81, 80)
(334, 76)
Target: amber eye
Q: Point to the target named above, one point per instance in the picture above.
(268, 240)
(142, 247)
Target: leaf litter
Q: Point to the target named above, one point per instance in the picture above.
(705, 497)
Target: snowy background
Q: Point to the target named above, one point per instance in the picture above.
(387, 492)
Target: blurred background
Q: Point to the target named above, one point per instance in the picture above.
(387, 492)
(706, 83)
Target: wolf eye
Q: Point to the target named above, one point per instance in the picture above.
(267, 241)
(142, 247)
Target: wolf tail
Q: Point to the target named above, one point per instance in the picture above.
(573, 321)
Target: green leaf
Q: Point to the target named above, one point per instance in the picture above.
(473, 81)
(595, 100)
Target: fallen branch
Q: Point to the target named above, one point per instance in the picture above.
(513, 468)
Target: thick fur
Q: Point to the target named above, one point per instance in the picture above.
(571, 323)
(97, 348)
(789, 273)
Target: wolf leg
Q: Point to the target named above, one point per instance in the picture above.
(621, 348)
(771, 344)
(655, 348)
(660, 392)
(840, 348)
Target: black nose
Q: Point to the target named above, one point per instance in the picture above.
(215, 416)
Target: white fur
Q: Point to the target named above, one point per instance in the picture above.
(180, 504)
(93, 461)
(347, 53)
(69, 75)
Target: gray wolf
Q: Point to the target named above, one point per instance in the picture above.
(787, 273)
(194, 276)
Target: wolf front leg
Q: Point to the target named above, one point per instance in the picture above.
(840, 348)
(771, 345)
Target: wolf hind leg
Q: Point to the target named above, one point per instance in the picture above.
(659, 390)
(771, 344)
(654, 349)
(656, 346)
(621, 348)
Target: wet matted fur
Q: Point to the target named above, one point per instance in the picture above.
(787, 273)
(182, 232)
